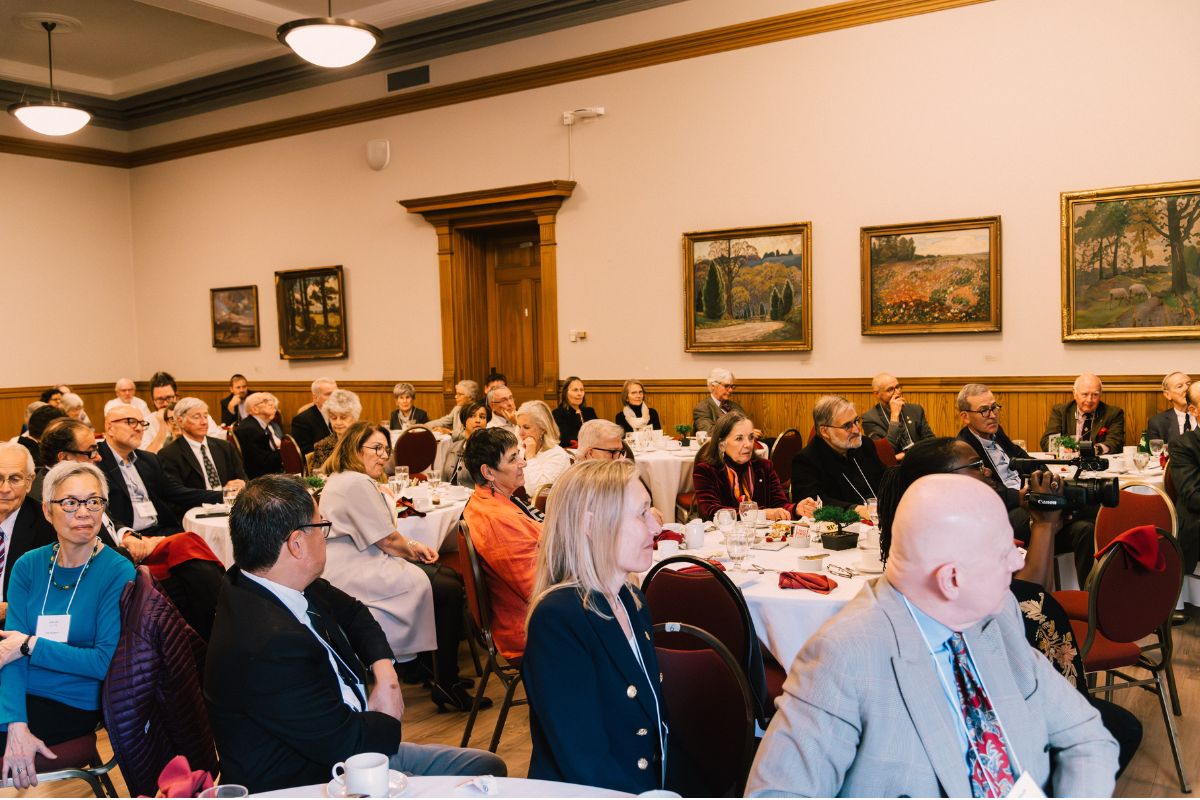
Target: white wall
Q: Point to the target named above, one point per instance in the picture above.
(990, 109)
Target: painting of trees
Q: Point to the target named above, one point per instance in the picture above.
(312, 320)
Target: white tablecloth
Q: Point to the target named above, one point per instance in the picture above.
(444, 440)
(214, 530)
(449, 787)
(667, 473)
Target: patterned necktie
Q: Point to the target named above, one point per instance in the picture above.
(210, 471)
(1086, 433)
(3, 560)
(725, 406)
(987, 751)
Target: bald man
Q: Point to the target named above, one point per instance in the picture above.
(1087, 417)
(872, 705)
(892, 417)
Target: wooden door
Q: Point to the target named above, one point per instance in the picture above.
(514, 279)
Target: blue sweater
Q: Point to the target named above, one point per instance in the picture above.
(70, 672)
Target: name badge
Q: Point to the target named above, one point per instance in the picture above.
(145, 509)
(1026, 787)
(55, 627)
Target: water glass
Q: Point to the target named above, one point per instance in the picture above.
(724, 519)
(873, 511)
(1052, 444)
(701, 437)
(748, 511)
(737, 544)
(402, 476)
(228, 495)
(631, 440)
(1140, 460)
(1156, 447)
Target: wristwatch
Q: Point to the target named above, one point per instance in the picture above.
(25, 651)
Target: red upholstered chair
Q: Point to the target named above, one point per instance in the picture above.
(787, 445)
(416, 448)
(78, 759)
(479, 606)
(294, 462)
(711, 709)
(887, 453)
(540, 498)
(710, 599)
(1115, 625)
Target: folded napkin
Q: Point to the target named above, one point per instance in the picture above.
(807, 580)
(668, 536)
(702, 570)
(178, 779)
(1141, 543)
(407, 509)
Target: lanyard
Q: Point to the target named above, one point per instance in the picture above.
(864, 477)
(79, 580)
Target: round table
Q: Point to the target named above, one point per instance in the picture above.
(667, 473)
(453, 786)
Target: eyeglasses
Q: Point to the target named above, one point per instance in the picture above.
(70, 505)
(618, 453)
(894, 388)
(380, 450)
(325, 527)
(987, 411)
(977, 465)
(729, 386)
(849, 426)
(136, 424)
(89, 453)
(15, 480)
(840, 571)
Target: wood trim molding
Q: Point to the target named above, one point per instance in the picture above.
(14, 145)
(798, 24)
(535, 195)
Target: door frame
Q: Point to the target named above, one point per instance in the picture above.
(454, 215)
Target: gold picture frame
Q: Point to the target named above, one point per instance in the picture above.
(931, 277)
(312, 313)
(748, 289)
(1144, 237)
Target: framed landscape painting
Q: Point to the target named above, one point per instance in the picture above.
(1131, 262)
(931, 277)
(312, 313)
(748, 289)
(234, 312)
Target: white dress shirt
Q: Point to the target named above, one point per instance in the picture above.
(136, 402)
(192, 443)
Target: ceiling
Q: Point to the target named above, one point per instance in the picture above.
(140, 62)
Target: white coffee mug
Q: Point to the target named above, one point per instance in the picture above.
(365, 773)
(870, 560)
(694, 534)
(668, 548)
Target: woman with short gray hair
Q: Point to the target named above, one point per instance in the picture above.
(406, 413)
(342, 409)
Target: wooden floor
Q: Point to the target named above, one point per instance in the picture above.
(1151, 774)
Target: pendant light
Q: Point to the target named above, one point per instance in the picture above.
(51, 117)
(329, 41)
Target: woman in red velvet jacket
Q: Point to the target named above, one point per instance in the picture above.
(727, 473)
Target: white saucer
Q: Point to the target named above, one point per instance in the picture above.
(397, 783)
(858, 567)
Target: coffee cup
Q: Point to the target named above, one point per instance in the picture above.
(668, 548)
(1117, 464)
(363, 774)
(693, 534)
(870, 560)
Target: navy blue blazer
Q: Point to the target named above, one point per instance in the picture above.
(592, 713)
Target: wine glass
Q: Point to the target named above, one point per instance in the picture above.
(1140, 460)
(724, 519)
(1156, 448)
(748, 511)
(737, 544)
(631, 440)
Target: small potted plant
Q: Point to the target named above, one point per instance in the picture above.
(683, 431)
(1067, 444)
(315, 484)
(832, 522)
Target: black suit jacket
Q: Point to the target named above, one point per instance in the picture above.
(308, 428)
(229, 417)
(419, 416)
(181, 465)
(1165, 426)
(912, 426)
(167, 495)
(1185, 474)
(33, 447)
(1062, 421)
(818, 471)
(275, 701)
(259, 457)
(1012, 497)
(30, 531)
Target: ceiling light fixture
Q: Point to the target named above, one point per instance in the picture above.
(51, 117)
(329, 41)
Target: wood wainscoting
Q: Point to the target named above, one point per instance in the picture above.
(773, 403)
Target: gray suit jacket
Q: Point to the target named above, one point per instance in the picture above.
(910, 429)
(706, 413)
(1163, 425)
(863, 712)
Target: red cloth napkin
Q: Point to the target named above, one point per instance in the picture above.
(807, 580)
(176, 549)
(1141, 543)
(702, 570)
(407, 509)
(178, 779)
(668, 536)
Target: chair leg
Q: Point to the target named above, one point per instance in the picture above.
(483, 682)
(1108, 682)
(1168, 648)
(1171, 734)
(473, 645)
(508, 701)
(108, 784)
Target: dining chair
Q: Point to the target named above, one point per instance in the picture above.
(77, 759)
(293, 460)
(704, 596)
(887, 453)
(542, 496)
(479, 605)
(1114, 626)
(711, 708)
(416, 449)
(787, 445)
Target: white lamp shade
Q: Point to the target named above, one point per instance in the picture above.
(329, 42)
(51, 119)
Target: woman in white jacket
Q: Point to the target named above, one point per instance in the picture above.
(545, 460)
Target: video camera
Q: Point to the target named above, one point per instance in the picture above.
(1078, 493)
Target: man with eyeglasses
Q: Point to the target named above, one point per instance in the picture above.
(602, 439)
(196, 459)
(1177, 420)
(1087, 417)
(23, 526)
(835, 467)
(286, 678)
(893, 418)
(718, 403)
(504, 409)
(126, 389)
(258, 437)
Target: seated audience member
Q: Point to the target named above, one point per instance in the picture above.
(635, 413)
(23, 526)
(38, 421)
(1047, 626)
(545, 459)
(712, 408)
(126, 389)
(405, 413)
(312, 423)
(142, 498)
(589, 626)
(727, 473)
(64, 439)
(505, 531)
(600, 439)
(835, 467)
(343, 409)
(892, 417)
(369, 559)
(232, 409)
(504, 409)
(474, 417)
(1169, 425)
(1184, 466)
(493, 380)
(72, 404)
(163, 395)
(287, 668)
(571, 412)
(258, 437)
(1088, 418)
(51, 676)
(52, 397)
(464, 392)
(928, 668)
(197, 460)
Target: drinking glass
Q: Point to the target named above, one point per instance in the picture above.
(724, 520)
(1140, 460)
(701, 437)
(873, 511)
(737, 544)
(1156, 447)
(225, 790)
(402, 476)
(748, 511)
(631, 439)
(1052, 445)
(228, 495)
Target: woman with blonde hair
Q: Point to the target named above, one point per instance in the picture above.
(545, 459)
(589, 626)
